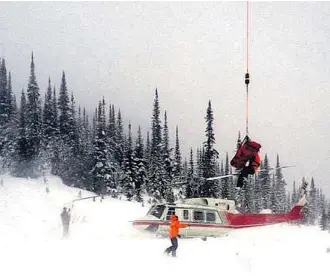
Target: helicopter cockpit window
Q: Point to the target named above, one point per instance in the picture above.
(199, 215)
(170, 212)
(210, 217)
(158, 211)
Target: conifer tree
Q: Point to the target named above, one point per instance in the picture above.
(288, 202)
(312, 204)
(47, 114)
(178, 158)
(11, 98)
(129, 167)
(119, 132)
(111, 133)
(248, 202)
(273, 196)
(8, 121)
(33, 123)
(4, 102)
(209, 188)
(55, 167)
(279, 189)
(190, 177)
(64, 109)
(141, 171)
(21, 165)
(328, 216)
(156, 184)
(168, 162)
(49, 132)
(102, 171)
(226, 188)
(147, 154)
(321, 202)
(258, 193)
(324, 220)
(266, 183)
(294, 198)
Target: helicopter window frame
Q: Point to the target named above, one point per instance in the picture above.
(210, 213)
(201, 212)
(185, 214)
(170, 211)
(157, 211)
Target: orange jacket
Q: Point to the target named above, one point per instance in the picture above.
(175, 226)
(256, 162)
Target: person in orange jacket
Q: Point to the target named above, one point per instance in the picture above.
(173, 234)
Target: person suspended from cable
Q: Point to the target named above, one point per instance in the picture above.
(247, 160)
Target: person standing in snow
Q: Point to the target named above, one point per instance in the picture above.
(65, 216)
(173, 234)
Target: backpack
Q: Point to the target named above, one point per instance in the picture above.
(247, 151)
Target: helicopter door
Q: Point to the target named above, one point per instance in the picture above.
(184, 217)
(197, 217)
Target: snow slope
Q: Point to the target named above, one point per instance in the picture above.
(103, 242)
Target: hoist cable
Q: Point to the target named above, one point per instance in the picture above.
(247, 76)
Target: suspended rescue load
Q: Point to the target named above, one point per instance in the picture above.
(248, 151)
(247, 158)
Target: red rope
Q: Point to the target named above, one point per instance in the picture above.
(247, 36)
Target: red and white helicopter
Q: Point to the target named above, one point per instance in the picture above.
(211, 217)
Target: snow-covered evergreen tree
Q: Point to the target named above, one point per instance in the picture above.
(328, 216)
(33, 123)
(140, 166)
(169, 162)
(312, 204)
(279, 189)
(288, 202)
(265, 183)
(324, 220)
(147, 154)
(188, 190)
(273, 195)
(226, 191)
(321, 202)
(209, 188)
(119, 140)
(129, 167)
(9, 127)
(102, 169)
(258, 193)
(64, 109)
(4, 102)
(49, 124)
(156, 185)
(295, 194)
(178, 157)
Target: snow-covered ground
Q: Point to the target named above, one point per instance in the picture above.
(103, 242)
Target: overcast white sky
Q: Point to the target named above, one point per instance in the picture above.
(192, 52)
